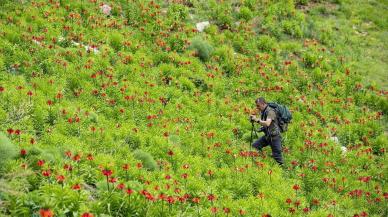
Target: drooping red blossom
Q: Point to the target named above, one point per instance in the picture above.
(76, 187)
(107, 172)
(40, 163)
(196, 200)
(170, 199)
(129, 191)
(125, 167)
(77, 157)
(87, 214)
(46, 213)
(23, 152)
(68, 154)
(296, 187)
(120, 186)
(112, 180)
(68, 167)
(170, 153)
(90, 157)
(10, 131)
(211, 197)
(46, 173)
(60, 178)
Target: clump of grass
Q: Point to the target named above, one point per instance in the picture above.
(202, 47)
(7, 149)
(146, 159)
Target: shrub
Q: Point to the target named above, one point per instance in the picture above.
(146, 158)
(266, 43)
(178, 12)
(202, 47)
(116, 40)
(245, 13)
(132, 141)
(225, 56)
(7, 149)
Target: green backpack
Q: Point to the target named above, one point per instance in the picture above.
(284, 115)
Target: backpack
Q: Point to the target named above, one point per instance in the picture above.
(283, 115)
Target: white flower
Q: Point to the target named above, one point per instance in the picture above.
(106, 9)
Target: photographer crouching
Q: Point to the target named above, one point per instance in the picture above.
(271, 129)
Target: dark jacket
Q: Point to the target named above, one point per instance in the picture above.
(273, 129)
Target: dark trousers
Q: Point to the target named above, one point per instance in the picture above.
(276, 145)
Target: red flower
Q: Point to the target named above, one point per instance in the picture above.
(87, 214)
(46, 213)
(29, 93)
(288, 201)
(76, 187)
(107, 172)
(242, 212)
(60, 178)
(170, 199)
(68, 167)
(2, 89)
(170, 153)
(184, 175)
(129, 191)
(46, 173)
(10, 131)
(90, 157)
(68, 154)
(40, 163)
(316, 202)
(213, 209)
(291, 210)
(296, 187)
(23, 152)
(121, 186)
(306, 210)
(125, 166)
(211, 197)
(77, 157)
(226, 210)
(112, 180)
(49, 102)
(195, 200)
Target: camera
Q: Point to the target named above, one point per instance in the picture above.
(251, 119)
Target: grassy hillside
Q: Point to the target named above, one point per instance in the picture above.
(126, 108)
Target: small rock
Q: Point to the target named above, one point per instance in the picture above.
(202, 25)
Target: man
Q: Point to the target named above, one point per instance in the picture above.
(271, 129)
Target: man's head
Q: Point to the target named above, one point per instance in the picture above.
(260, 103)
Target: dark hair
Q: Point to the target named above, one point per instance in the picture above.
(261, 100)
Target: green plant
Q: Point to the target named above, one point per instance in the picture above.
(146, 158)
(202, 47)
(7, 149)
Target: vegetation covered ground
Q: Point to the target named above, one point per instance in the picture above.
(125, 108)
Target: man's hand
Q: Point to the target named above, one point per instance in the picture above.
(254, 118)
